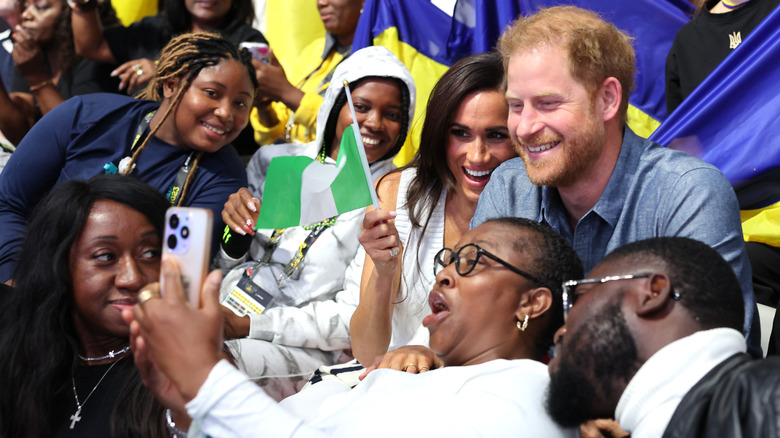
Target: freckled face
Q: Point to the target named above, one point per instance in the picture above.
(379, 114)
(116, 255)
(213, 110)
(478, 142)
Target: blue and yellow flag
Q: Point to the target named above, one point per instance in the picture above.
(416, 32)
(731, 121)
(428, 40)
(477, 25)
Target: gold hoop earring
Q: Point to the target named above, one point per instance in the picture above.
(523, 325)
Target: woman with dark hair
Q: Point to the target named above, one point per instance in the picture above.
(66, 370)
(48, 71)
(137, 46)
(429, 203)
(303, 267)
(197, 103)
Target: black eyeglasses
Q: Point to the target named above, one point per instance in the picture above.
(570, 289)
(467, 257)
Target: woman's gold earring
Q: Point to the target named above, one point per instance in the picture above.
(523, 325)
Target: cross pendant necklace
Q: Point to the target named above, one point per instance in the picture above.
(76, 417)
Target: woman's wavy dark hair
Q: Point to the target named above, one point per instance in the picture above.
(178, 17)
(480, 72)
(63, 47)
(38, 343)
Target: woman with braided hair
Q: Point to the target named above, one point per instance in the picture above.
(200, 101)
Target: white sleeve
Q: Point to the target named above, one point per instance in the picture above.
(229, 405)
(319, 324)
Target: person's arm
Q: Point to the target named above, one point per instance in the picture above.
(673, 91)
(29, 59)
(31, 172)
(371, 325)
(702, 205)
(184, 344)
(14, 122)
(88, 39)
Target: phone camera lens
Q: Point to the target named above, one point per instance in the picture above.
(172, 241)
(174, 221)
(185, 232)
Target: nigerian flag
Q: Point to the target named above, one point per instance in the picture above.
(303, 191)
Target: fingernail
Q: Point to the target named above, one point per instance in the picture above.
(393, 213)
(251, 206)
(241, 232)
(114, 73)
(248, 228)
(121, 86)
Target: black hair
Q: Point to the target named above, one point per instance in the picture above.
(341, 99)
(553, 261)
(38, 342)
(707, 285)
(175, 13)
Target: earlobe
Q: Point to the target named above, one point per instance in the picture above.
(611, 95)
(656, 296)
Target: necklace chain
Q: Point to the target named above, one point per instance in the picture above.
(111, 354)
(76, 417)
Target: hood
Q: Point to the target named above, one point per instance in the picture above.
(374, 61)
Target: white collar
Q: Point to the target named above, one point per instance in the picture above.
(652, 395)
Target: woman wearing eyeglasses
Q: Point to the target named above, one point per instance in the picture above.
(496, 303)
(428, 205)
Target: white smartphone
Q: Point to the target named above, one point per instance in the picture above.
(187, 238)
(259, 51)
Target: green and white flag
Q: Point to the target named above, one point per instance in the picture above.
(303, 191)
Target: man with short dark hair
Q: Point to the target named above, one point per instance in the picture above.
(654, 340)
(581, 169)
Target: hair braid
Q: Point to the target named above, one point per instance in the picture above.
(183, 58)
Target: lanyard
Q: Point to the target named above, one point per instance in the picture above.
(295, 263)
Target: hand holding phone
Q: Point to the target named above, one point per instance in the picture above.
(187, 238)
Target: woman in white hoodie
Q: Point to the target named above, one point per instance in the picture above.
(304, 326)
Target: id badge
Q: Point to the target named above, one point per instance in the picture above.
(247, 297)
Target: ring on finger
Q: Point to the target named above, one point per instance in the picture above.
(139, 72)
(394, 252)
(423, 369)
(146, 295)
(410, 365)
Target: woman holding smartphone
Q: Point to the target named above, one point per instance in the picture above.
(67, 368)
(174, 139)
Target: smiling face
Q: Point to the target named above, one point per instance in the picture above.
(213, 110)
(117, 254)
(40, 19)
(207, 14)
(477, 142)
(596, 354)
(340, 17)
(552, 118)
(379, 114)
(474, 316)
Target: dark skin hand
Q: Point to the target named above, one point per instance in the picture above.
(240, 212)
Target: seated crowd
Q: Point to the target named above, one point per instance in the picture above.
(528, 193)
